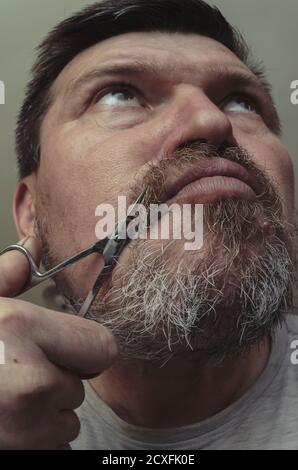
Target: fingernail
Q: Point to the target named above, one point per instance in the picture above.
(29, 243)
(24, 240)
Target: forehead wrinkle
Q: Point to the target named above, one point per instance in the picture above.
(168, 72)
(204, 72)
(137, 67)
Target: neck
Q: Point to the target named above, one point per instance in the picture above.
(182, 392)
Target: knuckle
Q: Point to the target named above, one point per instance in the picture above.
(13, 317)
(46, 383)
(71, 425)
(78, 394)
(40, 383)
(75, 390)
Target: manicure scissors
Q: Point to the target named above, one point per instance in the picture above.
(110, 248)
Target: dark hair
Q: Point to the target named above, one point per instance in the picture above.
(93, 24)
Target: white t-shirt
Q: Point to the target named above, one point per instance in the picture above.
(265, 417)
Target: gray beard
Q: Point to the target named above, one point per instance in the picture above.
(219, 306)
(167, 302)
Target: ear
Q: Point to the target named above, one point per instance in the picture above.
(24, 207)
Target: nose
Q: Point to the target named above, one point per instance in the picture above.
(192, 116)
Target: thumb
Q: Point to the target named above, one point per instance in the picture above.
(15, 269)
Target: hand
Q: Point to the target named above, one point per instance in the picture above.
(47, 354)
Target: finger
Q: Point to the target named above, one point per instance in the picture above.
(14, 267)
(70, 391)
(68, 427)
(59, 429)
(81, 346)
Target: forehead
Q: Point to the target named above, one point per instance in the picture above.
(171, 52)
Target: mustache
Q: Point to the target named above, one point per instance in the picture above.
(231, 220)
(153, 182)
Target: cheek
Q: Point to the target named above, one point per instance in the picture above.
(83, 169)
(273, 158)
(85, 160)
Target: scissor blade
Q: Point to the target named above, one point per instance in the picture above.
(94, 291)
(112, 250)
(130, 216)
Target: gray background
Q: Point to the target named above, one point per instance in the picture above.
(270, 27)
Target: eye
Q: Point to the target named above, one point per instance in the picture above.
(240, 104)
(118, 96)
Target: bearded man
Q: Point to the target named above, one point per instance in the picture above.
(182, 349)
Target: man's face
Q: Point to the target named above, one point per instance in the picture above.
(106, 128)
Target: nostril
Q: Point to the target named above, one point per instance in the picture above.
(224, 147)
(191, 143)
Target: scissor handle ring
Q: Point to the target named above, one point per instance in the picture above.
(34, 273)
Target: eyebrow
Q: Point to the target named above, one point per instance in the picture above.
(237, 77)
(128, 69)
(139, 68)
